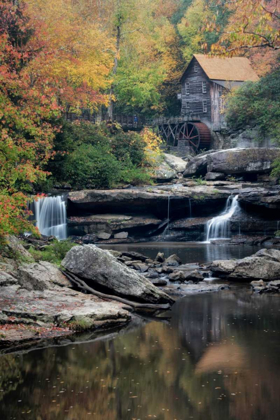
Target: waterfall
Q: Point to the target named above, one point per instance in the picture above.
(168, 217)
(218, 227)
(50, 215)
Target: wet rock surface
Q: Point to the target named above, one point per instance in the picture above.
(266, 287)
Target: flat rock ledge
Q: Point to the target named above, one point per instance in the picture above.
(39, 304)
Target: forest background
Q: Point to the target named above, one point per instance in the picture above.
(114, 56)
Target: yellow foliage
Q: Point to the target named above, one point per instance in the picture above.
(152, 149)
(80, 49)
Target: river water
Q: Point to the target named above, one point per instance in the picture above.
(216, 359)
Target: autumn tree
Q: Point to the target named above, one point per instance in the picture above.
(81, 48)
(28, 117)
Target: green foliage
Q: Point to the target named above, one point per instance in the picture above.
(54, 253)
(194, 31)
(199, 181)
(92, 167)
(98, 157)
(128, 146)
(81, 324)
(256, 104)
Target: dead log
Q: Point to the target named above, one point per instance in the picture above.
(136, 306)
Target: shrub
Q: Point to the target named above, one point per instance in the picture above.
(92, 167)
(54, 253)
(99, 156)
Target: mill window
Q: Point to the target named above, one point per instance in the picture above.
(204, 87)
(188, 105)
(195, 68)
(187, 88)
(204, 107)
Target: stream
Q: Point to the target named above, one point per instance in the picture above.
(216, 359)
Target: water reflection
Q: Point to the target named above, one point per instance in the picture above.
(217, 359)
(189, 252)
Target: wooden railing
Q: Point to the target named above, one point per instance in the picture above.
(126, 121)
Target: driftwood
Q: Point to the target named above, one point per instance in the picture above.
(136, 306)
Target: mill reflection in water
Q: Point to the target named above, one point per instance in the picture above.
(217, 359)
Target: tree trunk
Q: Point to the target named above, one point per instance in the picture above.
(115, 68)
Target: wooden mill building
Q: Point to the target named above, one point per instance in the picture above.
(204, 84)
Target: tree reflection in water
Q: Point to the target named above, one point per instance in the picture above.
(217, 359)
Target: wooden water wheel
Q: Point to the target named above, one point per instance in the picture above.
(194, 135)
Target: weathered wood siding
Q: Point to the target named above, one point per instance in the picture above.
(194, 101)
(217, 91)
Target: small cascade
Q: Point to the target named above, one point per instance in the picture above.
(50, 215)
(168, 217)
(218, 227)
(190, 206)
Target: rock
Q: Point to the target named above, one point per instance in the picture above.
(160, 257)
(264, 265)
(167, 270)
(100, 268)
(164, 173)
(215, 176)
(14, 249)
(141, 267)
(41, 276)
(196, 167)
(242, 161)
(274, 286)
(104, 235)
(116, 254)
(222, 268)
(121, 235)
(177, 276)
(111, 223)
(57, 307)
(123, 259)
(159, 282)
(146, 201)
(152, 275)
(261, 198)
(176, 163)
(195, 276)
(256, 268)
(173, 261)
(134, 256)
(262, 287)
(258, 286)
(7, 279)
(269, 254)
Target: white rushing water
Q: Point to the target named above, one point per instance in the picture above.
(218, 227)
(50, 214)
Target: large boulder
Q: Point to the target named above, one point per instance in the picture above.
(163, 172)
(264, 265)
(101, 269)
(197, 166)
(242, 161)
(175, 162)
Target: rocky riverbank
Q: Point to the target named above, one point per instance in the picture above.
(97, 290)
